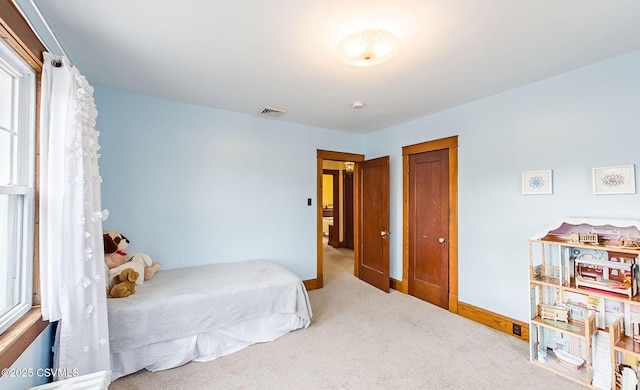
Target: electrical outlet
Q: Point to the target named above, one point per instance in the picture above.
(517, 330)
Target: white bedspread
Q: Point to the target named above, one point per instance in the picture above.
(190, 301)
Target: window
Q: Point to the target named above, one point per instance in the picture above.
(17, 168)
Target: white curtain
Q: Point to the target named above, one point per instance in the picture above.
(71, 248)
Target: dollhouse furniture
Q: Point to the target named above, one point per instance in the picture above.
(584, 238)
(202, 313)
(569, 359)
(606, 275)
(556, 313)
(590, 268)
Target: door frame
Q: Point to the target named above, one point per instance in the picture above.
(450, 143)
(333, 156)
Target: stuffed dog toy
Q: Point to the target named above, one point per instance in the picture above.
(116, 260)
(124, 284)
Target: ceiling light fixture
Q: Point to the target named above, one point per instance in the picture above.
(349, 167)
(368, 47)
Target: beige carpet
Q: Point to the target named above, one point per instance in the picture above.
(362, 338)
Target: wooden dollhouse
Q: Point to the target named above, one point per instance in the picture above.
(584, 301)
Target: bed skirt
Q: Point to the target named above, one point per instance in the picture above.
(203, 347)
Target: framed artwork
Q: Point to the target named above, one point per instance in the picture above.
(537, 182)
(617, 179)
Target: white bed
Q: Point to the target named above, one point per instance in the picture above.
(202, 313)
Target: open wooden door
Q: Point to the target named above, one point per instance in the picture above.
(373, 221)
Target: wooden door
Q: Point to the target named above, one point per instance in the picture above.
(348, 210)
(373, 197)
(334, 239)
(428, 274)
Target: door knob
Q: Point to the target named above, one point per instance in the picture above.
(384, 233)
(441, 240)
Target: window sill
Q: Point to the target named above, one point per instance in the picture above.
(15, 340)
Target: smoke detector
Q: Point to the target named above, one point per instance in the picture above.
(357, 105)
(272, 112)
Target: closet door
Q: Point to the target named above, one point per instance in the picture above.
(429, 227)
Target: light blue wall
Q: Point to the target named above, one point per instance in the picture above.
(570, 123)
(37, 356)
(191, 185)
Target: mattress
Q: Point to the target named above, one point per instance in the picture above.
(202, 313)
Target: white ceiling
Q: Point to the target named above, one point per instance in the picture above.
(242, 55)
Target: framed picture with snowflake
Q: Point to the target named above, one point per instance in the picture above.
(618, 179)
(537, 182)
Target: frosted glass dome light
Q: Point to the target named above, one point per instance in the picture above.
(368, 47)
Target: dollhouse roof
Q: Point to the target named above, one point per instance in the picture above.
(606, 228)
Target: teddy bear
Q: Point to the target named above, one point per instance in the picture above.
(124, 284)
(117, 260)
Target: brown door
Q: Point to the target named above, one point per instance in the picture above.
(348, 210)
(373, 193)
(429, 226)
(334, 233)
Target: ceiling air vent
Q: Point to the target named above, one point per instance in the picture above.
(272, 112)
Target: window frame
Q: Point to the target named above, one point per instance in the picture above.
(18, 34)
(20, 190)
